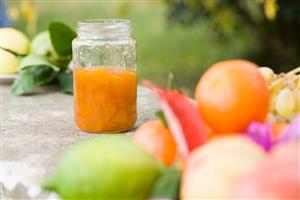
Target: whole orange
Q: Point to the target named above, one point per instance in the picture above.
(230, 94)
(157, 140)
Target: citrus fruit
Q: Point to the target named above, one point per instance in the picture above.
(14, 40)
(107, 167)
(156, 139)
(9, 63)
(41, 45)
(231, 94)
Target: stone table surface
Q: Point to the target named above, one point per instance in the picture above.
(36, 129)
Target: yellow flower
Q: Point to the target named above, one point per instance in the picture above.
(270, 9)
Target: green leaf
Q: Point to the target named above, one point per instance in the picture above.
(32, 77)
(160, 115)
(61, 38)
(33, 59)
(65, 80)
(167, 186)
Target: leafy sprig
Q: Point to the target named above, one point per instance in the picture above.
(38, 70)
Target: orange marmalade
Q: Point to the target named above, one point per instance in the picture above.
(104, 99)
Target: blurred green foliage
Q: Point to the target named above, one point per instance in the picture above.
(187, 36)
(274, 24)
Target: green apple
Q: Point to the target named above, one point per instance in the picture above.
(212, 170)
(14, 41)
(9, 63)
(108, 167)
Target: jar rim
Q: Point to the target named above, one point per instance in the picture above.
(104, 21)
(103, 28)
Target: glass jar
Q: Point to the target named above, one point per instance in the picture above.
(104, 72)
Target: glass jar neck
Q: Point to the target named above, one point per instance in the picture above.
(103, 29)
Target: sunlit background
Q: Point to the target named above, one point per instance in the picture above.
(187, 36)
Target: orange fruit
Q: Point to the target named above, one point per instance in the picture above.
(230, 94)
(278, 129)
(157, 140)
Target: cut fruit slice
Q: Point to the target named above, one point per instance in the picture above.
(183, 119)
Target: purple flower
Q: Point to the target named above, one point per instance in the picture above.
(261, 134)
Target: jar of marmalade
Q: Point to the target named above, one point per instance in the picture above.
(104, 72)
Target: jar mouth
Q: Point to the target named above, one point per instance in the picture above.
(104, 21)
(103, 28)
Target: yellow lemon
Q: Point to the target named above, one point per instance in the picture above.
(9, 63)
(14, 40)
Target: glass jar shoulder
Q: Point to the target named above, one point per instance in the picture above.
(91, 53)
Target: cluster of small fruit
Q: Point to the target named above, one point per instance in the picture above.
(285, 93)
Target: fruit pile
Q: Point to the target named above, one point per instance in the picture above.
(41, 61)
(222, 145)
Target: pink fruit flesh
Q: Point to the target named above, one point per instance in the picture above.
(185, 123)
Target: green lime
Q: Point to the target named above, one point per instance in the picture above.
(108, 167)
(41, 45)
